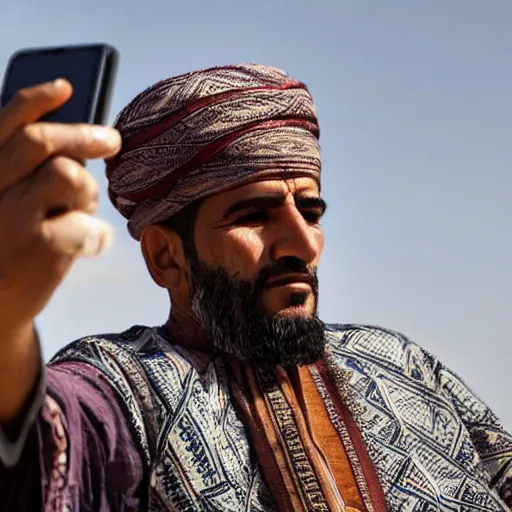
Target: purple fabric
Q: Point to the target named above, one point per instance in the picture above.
(80, 442)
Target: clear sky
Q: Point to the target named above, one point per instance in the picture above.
(415, 106)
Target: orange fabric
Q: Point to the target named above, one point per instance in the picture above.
(303, 458)
(265, 439)
(376, 494)
(328, 442)
(331, 493)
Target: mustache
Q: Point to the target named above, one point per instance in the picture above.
(285, 266)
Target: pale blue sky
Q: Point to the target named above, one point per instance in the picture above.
(415, 106)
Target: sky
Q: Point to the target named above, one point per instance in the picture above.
(415, 107)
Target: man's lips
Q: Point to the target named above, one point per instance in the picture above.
(290, 279)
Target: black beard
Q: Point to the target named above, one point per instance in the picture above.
(230, 310)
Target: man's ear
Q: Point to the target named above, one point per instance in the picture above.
(164, 254)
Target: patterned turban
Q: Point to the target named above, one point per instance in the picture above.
(204, 132)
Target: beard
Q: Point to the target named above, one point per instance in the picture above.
(231, 312)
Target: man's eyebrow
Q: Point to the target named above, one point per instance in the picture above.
(305, 202)
(256, 203)
(273, 201)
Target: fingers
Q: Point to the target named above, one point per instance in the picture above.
(35, 143)
(77, 234)
(30, 104)
(26, 144)
(61, 184)
(41, 174)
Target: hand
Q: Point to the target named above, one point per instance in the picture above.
(47, 199)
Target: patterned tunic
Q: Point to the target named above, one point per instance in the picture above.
(132, 422)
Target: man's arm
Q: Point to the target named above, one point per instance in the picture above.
(47, 199)
(22, 381)
(20, 364)
(79, 451)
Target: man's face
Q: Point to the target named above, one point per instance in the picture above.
(254, 227)
(253, 275)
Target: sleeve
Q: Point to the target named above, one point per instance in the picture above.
(78, 454)
(492, 442)
(11, 449)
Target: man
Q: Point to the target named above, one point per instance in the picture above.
(243, 399)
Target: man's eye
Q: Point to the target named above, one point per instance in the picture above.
(312, 216)
(257, 217)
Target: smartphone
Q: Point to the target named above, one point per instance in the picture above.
(91, 70)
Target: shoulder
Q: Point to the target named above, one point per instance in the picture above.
(382, 348)
(382, 343)
(114, 357)
(119, 356)
(133, 342)
(121, 360)
(138, 350)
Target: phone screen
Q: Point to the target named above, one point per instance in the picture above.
(83, 67)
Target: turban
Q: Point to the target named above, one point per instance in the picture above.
(208, 131)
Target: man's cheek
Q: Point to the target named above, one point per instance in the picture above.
(241, 253)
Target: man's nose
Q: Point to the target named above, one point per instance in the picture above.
(297, 238)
